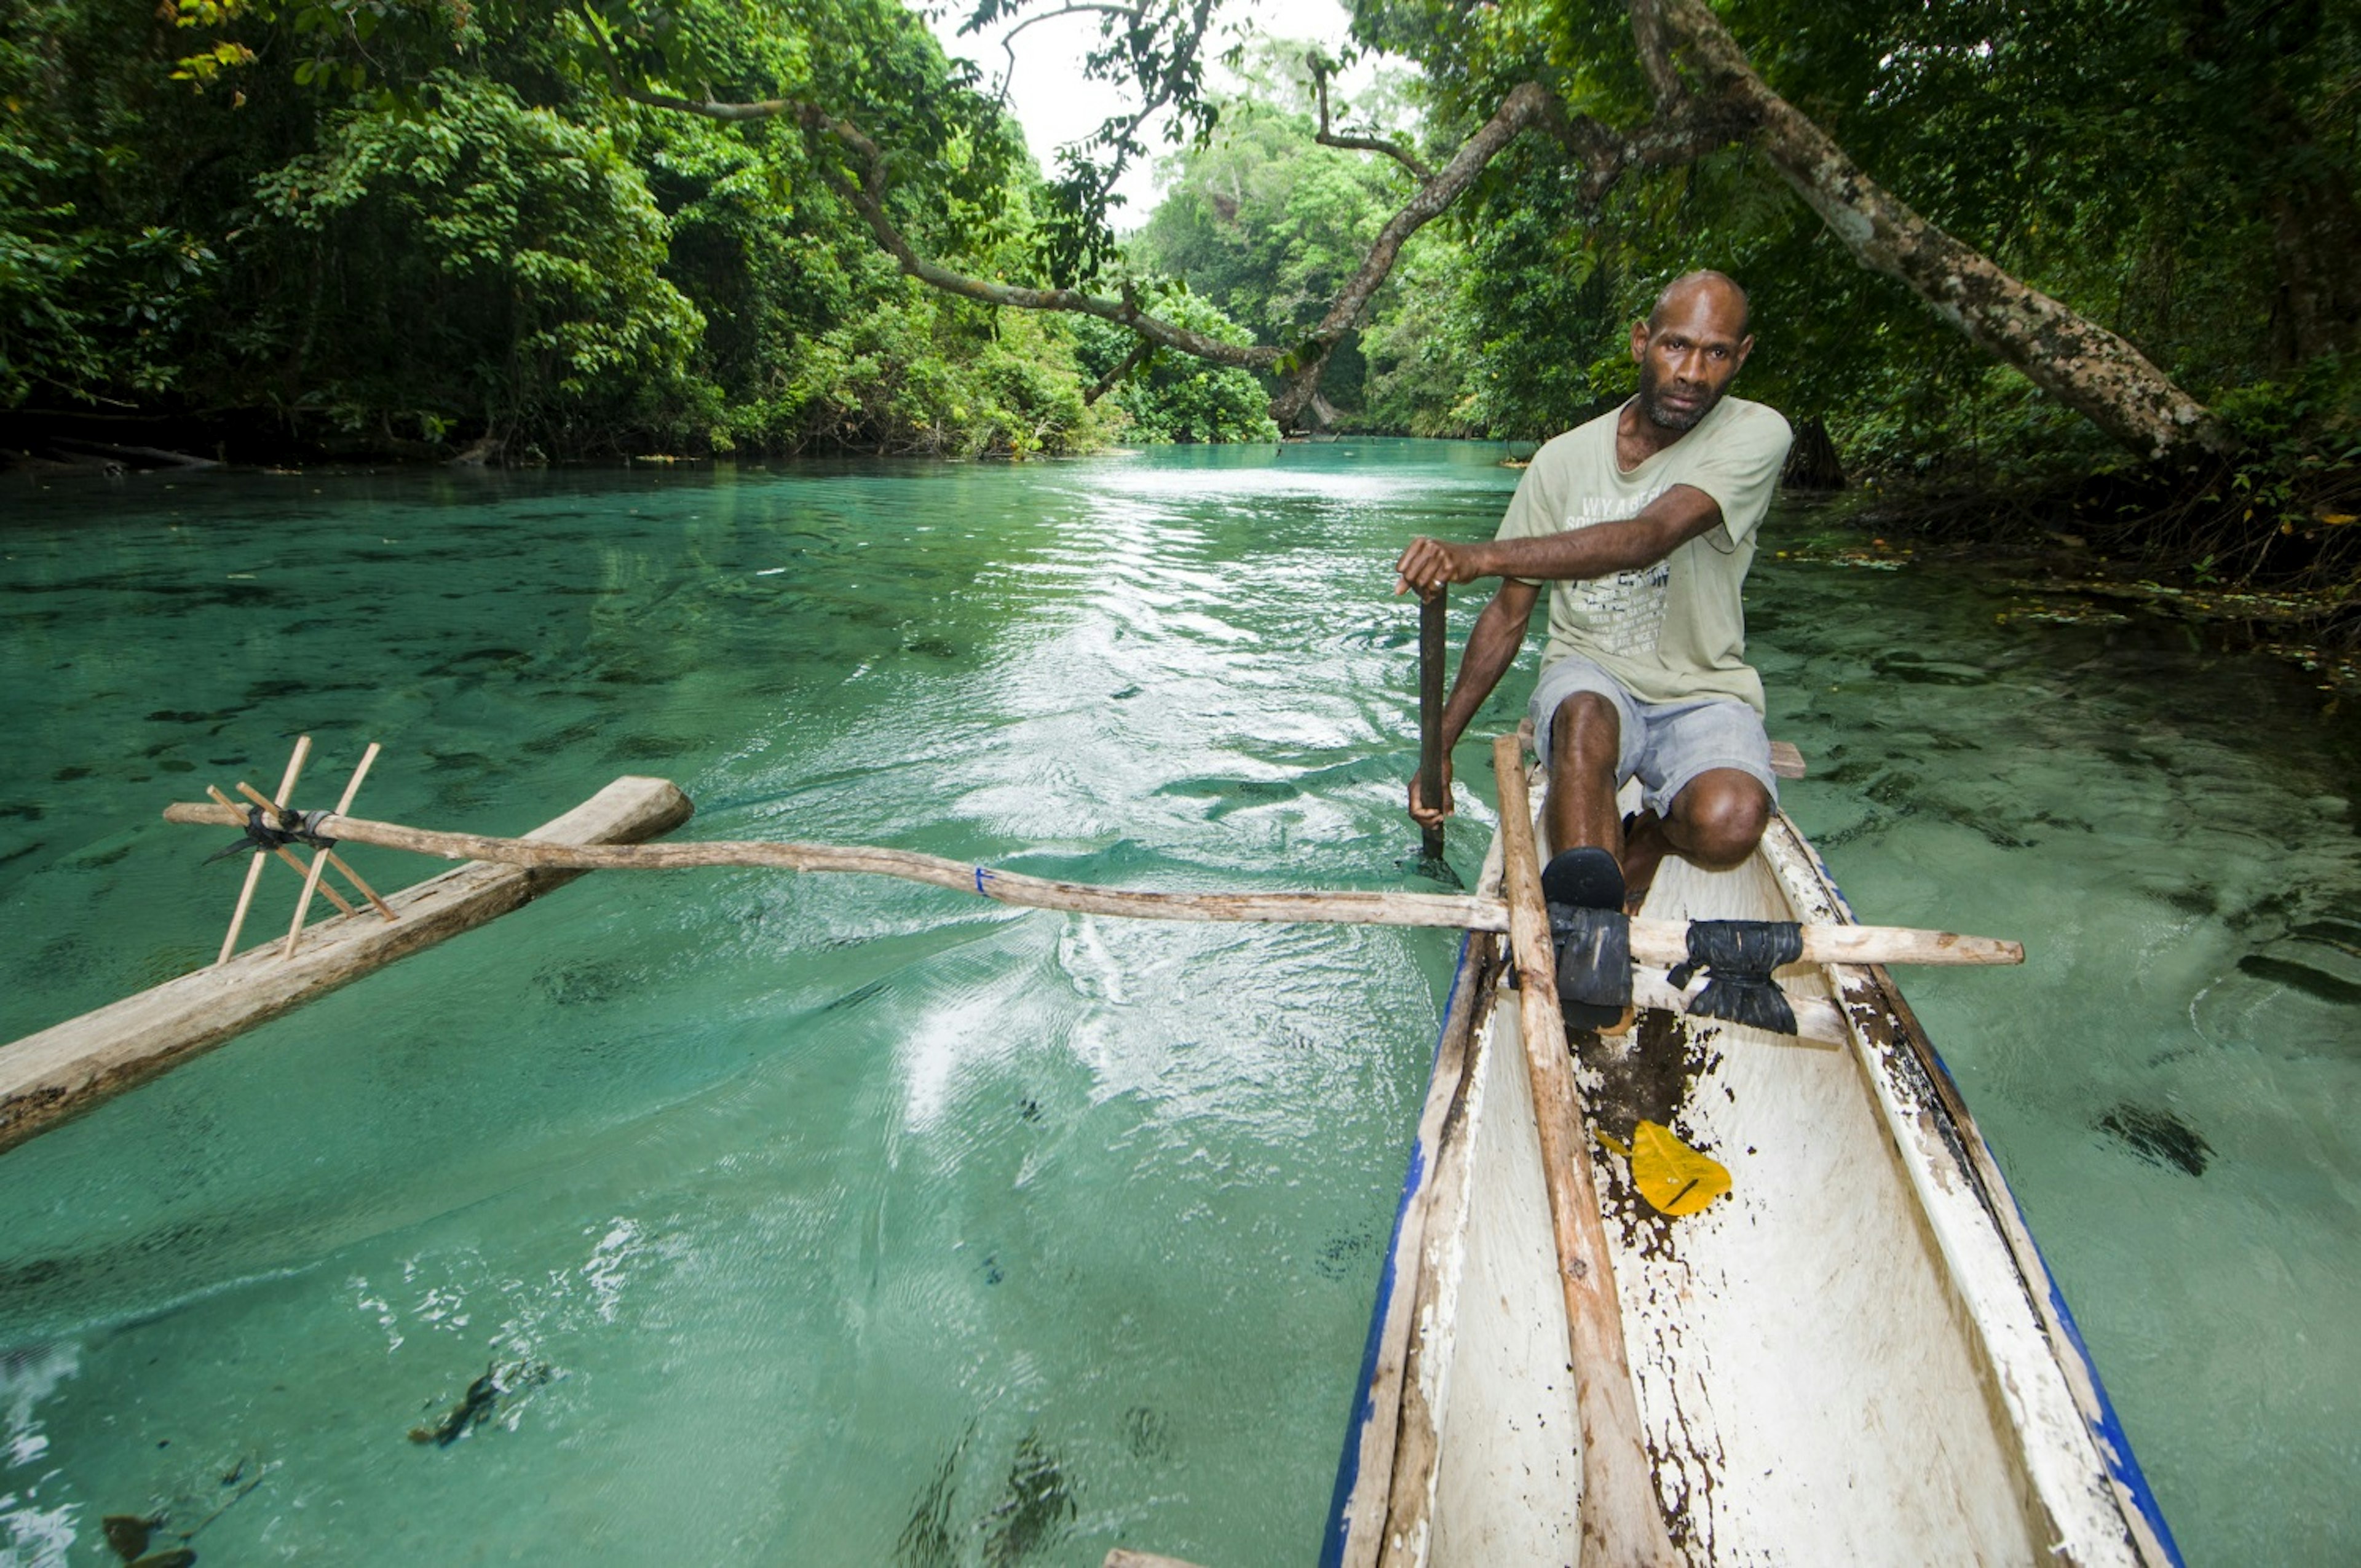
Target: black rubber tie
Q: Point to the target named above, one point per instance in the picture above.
(260, 838)
(1738, 956)
(1594, 955)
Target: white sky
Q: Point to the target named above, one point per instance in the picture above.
(1057, 104)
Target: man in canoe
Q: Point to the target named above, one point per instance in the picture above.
(1643, 523)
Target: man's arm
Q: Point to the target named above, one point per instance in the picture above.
(1663, 526)
(1671, 520)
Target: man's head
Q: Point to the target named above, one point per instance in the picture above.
(1688, 349)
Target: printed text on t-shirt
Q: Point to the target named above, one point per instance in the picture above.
(1624, 613)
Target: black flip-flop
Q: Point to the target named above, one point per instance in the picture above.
(1585, 883)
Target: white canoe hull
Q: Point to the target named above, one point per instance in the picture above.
(1856, 1356)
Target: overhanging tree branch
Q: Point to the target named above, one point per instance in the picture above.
(729, 114)
(1527, 106)
(1141, 352)
(1706, 95)
(2084, 365)
(1350, 142)
(1691, 131)
(1009, 39)
(867, 196)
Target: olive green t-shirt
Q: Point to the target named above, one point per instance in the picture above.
(1676, 630)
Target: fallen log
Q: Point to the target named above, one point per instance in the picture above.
(49, 1077)
(137, 454)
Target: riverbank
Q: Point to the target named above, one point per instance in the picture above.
(2263, 557)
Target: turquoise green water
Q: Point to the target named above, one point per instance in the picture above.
(840, 1220)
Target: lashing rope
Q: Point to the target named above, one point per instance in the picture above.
(262, 837)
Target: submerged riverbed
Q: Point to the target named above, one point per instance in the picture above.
(832, 1220)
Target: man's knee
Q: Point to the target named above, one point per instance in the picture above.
(1585, 730)
(1720, 816)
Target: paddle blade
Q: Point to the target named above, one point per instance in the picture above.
(1673, 1178)
(1435, 869)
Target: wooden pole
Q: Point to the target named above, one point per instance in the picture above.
(1431, 657)
(354, 877)
(254, 871)
(1660, 942)
(320, 856)
(1622, 1524)
(47, 1078)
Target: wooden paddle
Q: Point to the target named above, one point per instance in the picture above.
(1431, 657)
(1622, 1524)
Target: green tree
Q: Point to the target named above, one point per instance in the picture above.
(467, 255)
(1166, 397)
(412, 225)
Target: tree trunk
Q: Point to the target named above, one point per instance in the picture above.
(2080, 363)
(1812, 461)
(2315, 239)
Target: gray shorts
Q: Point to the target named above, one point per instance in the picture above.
(1664, 744)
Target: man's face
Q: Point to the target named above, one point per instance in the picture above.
(1688, 354)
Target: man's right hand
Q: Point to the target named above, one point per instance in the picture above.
(1427, 565)
(1425, 815)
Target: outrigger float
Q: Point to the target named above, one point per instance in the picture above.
(1769, 1301)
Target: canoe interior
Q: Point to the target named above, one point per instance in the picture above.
(1852, 1357)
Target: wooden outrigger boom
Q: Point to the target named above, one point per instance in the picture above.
(50, 1076)
(1660, 942)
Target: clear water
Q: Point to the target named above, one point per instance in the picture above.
(840, 1220)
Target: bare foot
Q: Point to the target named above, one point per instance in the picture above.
(1644, 848)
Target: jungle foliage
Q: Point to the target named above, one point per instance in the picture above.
(403, 223)
(2181, 172)
(399, 228)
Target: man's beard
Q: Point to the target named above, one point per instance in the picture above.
(1665, 418)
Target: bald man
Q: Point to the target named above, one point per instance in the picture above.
(1643, 523)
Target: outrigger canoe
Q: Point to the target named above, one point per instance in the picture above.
(1852, 1353)
(1857, 1356)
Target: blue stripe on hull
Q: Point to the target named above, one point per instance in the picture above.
(1349, 1463)
(2114, 1444)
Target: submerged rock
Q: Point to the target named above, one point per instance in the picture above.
(1040, 1501)
(482, 1396)
(126, 1534)
(2160, 1137)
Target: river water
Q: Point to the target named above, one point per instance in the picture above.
(829, 1220)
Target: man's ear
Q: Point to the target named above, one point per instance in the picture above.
(1640, 341)
(1745, 347)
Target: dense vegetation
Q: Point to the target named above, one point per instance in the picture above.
(461, 236)
(412, 226)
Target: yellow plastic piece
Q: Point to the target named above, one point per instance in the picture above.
(1673, 1178)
